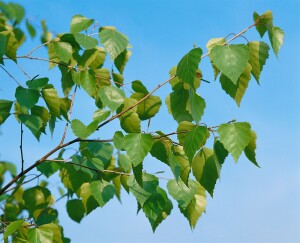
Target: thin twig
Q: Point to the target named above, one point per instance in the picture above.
(21, 148)
(36, 48)
(23, 71)
(69, 115)
(10, 74)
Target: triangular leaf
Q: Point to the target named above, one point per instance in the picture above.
(181, 193)
(264, 22)
(112, 97)
(157, 208)
(5, 106)
(250, 149)
(237, 91)
(87, 42)
(27, 97)
(75, 209)
(137, 146)
(235, 137)
(113, 41)
(63, 50)
(80, 23)
(52, 100)
(188, 65)
(194, 140)
(197, 104)
(276, 38)
(259, 53)
(231, 59)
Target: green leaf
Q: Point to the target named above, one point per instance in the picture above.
(82, 131)
(113, 41)
(48, 215)
(87, 42)
(231, 59)
(197, 104)
(121, 60)
(101, 115)
(138, 173)
(118, 140)
(176, 83)
(264, 22)
(250, 149)
(220, 154)
(174, 164)
(38, 235)
(75, 209)
(259, 53)
(188, 65)
(33, 123)
(181, 193)
(215, 42)
(276, 38)
(48, 168)
(142, 194)
(147, 108)
(88, 82)
(235, 137)
(12, 46)
(129, 121)
(183, 129)
(237, 91)
(102, 192)
(205, 169)
(197, 206)
(36, 199)
(184, 163)
(194, 140)
(72, 178)
(52, 100)
(64, 105)
(46, 35)
(177, 105)
(42, 113)
(160, 150)
(118, 79)
(66, 80)
(124, 162)
(138, 87)
(80, 23)
(13, 227)
(38, 83)
(27, 97)
(112, 97)
(31, 30)
(87, 58)
(5, 106)
(56, 230)
(137, 146)
(99, 59)
(157, 208)
(63, 50)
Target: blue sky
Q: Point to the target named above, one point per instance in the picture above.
(250, 204)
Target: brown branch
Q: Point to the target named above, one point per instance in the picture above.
(69, 115)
